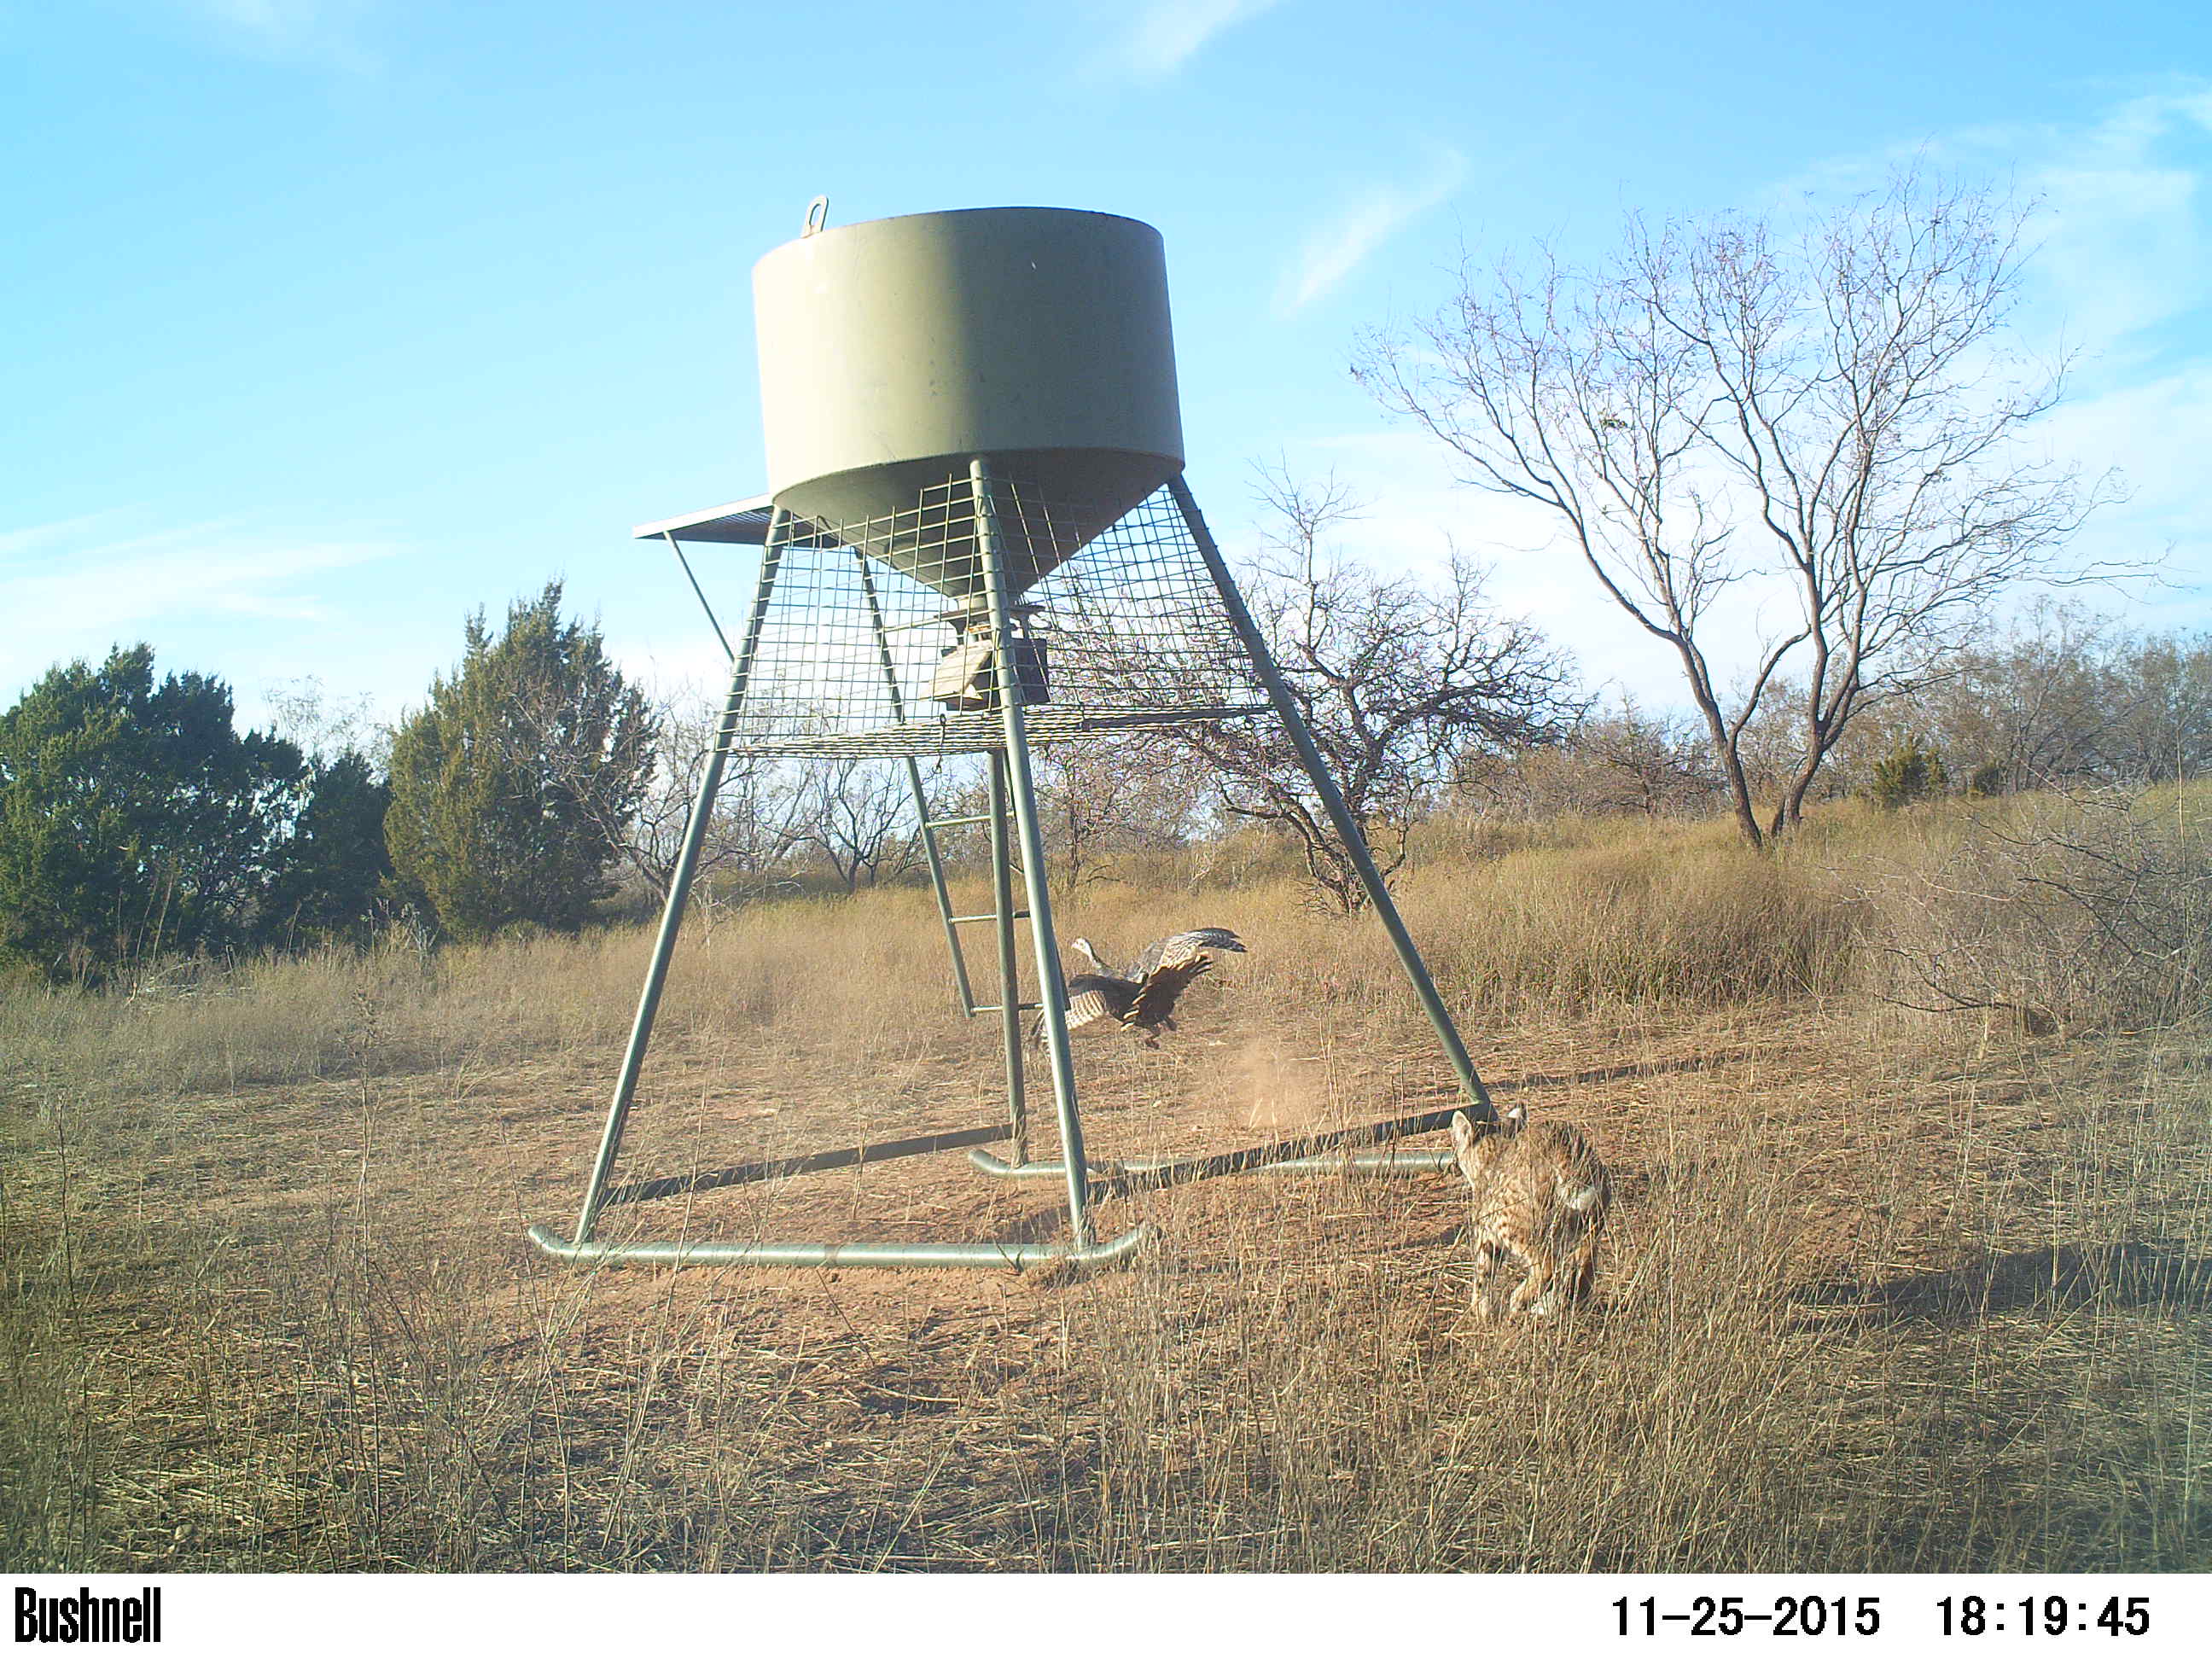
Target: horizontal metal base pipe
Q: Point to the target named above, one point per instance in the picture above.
(1410, 1160)
(707, 1253)
(1326, 1150)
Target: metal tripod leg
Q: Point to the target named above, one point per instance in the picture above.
(679, 883)
(1332, 800)
(680, 1253)
(1010, 1010)
(1052, 992)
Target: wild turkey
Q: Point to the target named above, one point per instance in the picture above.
(1143, 998)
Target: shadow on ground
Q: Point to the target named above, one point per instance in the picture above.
(2128, 1274)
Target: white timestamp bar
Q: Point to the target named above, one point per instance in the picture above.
(1110, 1616)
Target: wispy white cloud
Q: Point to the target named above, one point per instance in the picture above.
(1153, 39)
(2121, 221)
(63, 594)
(32, 537)
(1334, 250)
(2150, 434)
(2124, 219)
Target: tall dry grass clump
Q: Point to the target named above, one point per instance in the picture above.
(334, 1013)
(2092, 908)
(318, 1015)
(1586, 917)
(1679, 920)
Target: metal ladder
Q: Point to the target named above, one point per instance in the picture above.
(1006, 910)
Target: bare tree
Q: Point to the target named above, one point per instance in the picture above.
(2164, 684)
(1397, 680)
(325, 726)
(1102, 800)
(1828, 419)
(1663, 759)
(2063, 698)
(752, 828)
(858, 814)
(1625, 759)
(2067, 697)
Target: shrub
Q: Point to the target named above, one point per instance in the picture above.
(510, 788)
(1911, 771)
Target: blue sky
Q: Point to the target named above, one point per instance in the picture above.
(331, 320)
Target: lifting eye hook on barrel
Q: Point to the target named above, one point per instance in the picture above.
(817, 217)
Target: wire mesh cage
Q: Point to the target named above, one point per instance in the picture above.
(877, 639)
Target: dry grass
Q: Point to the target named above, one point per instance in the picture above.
(2089, 910)
(1882, 1291)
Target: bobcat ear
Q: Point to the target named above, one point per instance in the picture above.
(1462, 1134)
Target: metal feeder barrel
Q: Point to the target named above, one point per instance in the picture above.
(894, 351)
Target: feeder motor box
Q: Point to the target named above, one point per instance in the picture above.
(967, 677)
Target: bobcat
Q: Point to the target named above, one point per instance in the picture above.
(1540, 1195)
